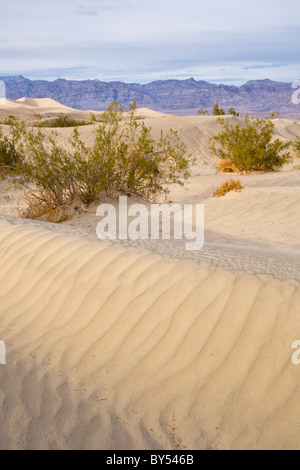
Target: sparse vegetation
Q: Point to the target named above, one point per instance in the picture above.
(274, 115)
(233, 112)
(11, 155)
(250, 146)
(9, 121)
(201, 111)
(226, 166)
(227, 186)
(296, 146)
(124, 159)
(62, 121)
(217, 111)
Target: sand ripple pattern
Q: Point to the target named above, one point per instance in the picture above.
(119, 348)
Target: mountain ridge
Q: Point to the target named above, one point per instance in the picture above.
(255, 97)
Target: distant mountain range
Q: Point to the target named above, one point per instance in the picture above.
(257, 97)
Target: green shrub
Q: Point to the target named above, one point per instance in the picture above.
(251, 146)
(233, 112)
(201, 111)
(11, 155)
(123, 159)
(10, 120)
(296, 146)
(218, 111)
(62, 121)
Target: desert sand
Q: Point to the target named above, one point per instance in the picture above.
(28, 108)
(143, 345)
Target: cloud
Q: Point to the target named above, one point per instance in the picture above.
(263, 66)
(87, 11)
(132, 40)
(94, 10)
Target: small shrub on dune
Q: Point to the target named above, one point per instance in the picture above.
(123, 159)
(233, 112)
(217, 111)
(202, 112)
(62, 121)
(251, 146)
(227, 186)
(11, 154)
(296, 146)
(9, 121)
(226, 166)
(37, 207)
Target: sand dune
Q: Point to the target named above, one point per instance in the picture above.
(195, 131)
(7, 103)
(149, 113)
(42, 103)
(141, 344)
(119, 348)
(29, 103)
(26, 108)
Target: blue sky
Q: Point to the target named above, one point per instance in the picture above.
(228, 41)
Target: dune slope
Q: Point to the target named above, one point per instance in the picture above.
(118, 348)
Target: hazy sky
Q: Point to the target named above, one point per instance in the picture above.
(228, 41)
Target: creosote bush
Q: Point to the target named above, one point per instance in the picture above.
(229, 185)
(250, 146)
(233, 112)
(37, 207)
(11, 151)
(296, 146)
(123, 159)
(217, 111)
(62, 121)
(202, 112)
